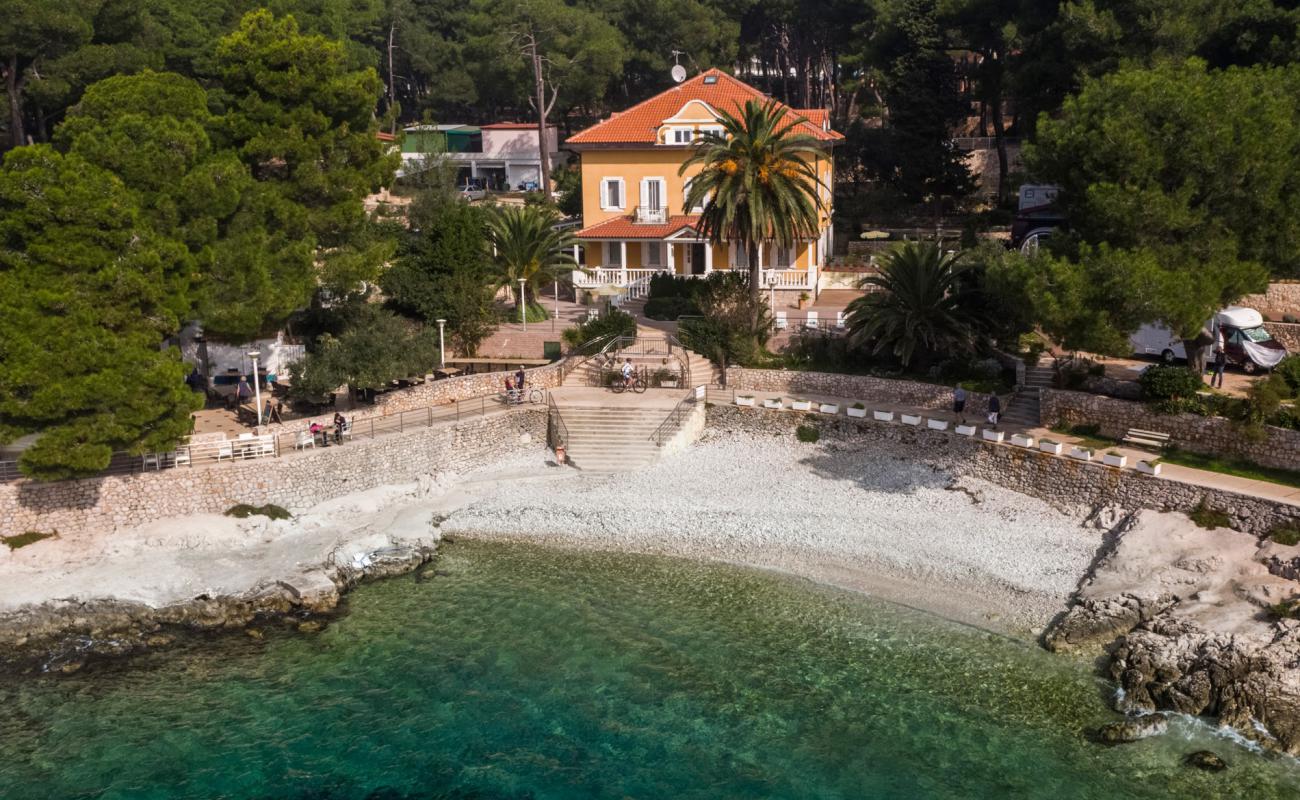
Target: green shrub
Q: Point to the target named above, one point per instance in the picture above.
(1289, 369)
(1264, 399)
(807, 433)
(615, 323)
(1287, 609)
(24, 539)
(1286, 533)
(665, 284)
(670, 308)
(243, 511)
(1161, 383)
(1206, 517)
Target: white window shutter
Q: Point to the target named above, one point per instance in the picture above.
(645, 193)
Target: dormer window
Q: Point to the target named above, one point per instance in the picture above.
(682, 136)
(709, 80)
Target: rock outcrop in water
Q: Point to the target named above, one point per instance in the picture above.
(1185, 616)
(62, 636)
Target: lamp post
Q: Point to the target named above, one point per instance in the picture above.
(523, 312)
(557, 306)
(257, 385)
(442, 350)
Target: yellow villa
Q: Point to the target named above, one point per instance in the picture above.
(634, 219)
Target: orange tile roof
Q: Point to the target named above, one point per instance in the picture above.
(625, 228)
(640, 123)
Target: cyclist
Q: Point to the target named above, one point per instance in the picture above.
(627, 371)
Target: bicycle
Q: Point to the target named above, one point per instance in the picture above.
(636, 384)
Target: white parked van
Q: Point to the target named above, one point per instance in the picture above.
(1246, 341)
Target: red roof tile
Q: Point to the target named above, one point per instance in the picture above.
(625, 228)
(640, 123)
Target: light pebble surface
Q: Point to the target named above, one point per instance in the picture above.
(836, 513)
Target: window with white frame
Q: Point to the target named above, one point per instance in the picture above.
(717, 130)
(681, 135)
(784, 256)
(614, 254)
(739, 257)
(612, 194)
(653, 252)
(686, 198)
(653, 193)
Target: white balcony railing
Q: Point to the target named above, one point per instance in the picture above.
(650, 215)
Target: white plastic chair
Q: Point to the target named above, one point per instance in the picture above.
(304, 440)
(181, 457)
(840, 321)
(782, 320)
(811, 321)
(225, 449)
(346, 431)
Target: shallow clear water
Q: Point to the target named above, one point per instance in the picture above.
(522, 672)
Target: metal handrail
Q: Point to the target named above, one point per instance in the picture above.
(673, 421)
(557, 433)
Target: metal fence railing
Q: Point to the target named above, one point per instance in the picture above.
(248, 446)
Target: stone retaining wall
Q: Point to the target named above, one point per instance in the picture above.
(865, 388)
(1209, 435)
(1288, 333)
(295, 482)
(1063, 482)
(433, 393)
(1282, 297)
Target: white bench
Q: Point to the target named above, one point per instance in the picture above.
(1149, 440)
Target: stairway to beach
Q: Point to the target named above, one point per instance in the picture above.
(611, 439)
(1025, 409)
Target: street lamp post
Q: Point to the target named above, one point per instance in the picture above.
(523, 312)
(257, 385)
(442, 350)
(557, 306)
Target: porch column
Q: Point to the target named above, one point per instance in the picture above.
(708, 257)
(672, 266)
(761, 264)
(622, 261)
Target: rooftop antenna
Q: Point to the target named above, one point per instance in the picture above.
(678, 71)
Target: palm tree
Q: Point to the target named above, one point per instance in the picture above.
(914, 306)
(526, 244)
(757, 182)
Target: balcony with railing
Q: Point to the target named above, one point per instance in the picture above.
(651, 215)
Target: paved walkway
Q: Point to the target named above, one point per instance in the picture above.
(1172, 472)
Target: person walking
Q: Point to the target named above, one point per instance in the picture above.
(1220, 364)
(519, 380)
(959, 404)
(995, 410)
(340, 424)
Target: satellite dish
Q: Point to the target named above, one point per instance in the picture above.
(678, 73)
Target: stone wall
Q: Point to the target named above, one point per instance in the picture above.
(434, 393)
(1210, 435)
(1064, 482)
(296, 481)
(1288, 333)
(1282, 297)
(865, 388)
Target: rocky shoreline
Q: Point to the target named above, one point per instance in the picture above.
(1184, 622)
(64, 636)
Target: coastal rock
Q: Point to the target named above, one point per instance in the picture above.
(1093, 623)
(1133, 729)
(1206, 760)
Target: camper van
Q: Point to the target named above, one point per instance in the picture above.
(1247, 343)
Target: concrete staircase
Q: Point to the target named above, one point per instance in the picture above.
(1025, 409)
(611, 439)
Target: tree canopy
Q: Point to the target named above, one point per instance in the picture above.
(1177, 206)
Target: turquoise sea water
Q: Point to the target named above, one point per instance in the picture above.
(522, 672)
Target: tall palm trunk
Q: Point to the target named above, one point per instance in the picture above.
(755, 272)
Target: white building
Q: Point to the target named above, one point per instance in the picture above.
(502, 156)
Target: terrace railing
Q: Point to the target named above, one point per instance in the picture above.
(673, 422)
